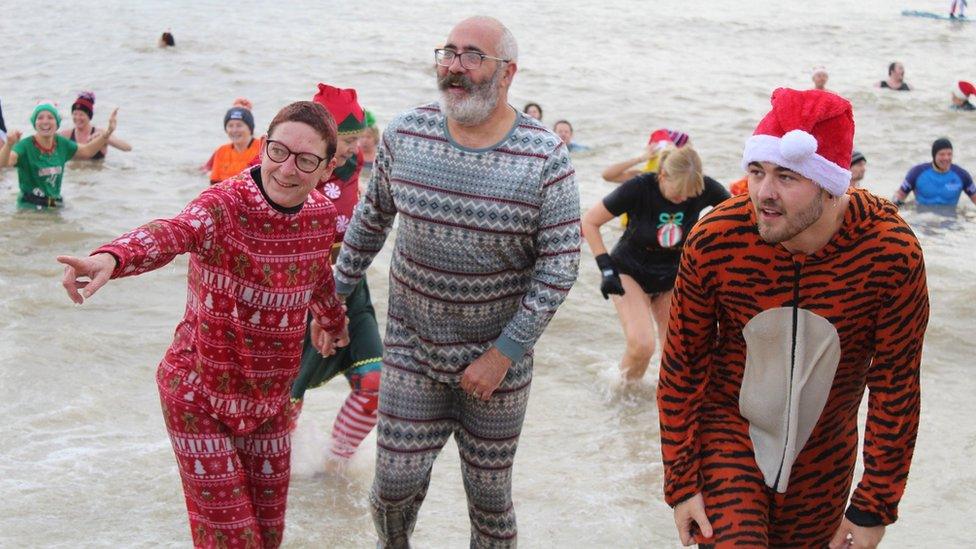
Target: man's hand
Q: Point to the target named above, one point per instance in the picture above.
(485, 374)
(852, 536)
(98, 268)
(326, 342)
(688, 512)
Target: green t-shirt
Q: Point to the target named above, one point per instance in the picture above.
(40, 174)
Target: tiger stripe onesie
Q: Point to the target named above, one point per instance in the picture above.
(767, 357)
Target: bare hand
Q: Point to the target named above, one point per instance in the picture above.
(111, 122)
(98, 268)
(327, 342)
(688, 512)
(485, 374)
(649, 151)
(13, 137)
(852, 536)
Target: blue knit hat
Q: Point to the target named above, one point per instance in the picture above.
(242, 114)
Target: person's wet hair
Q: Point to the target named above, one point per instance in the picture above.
(168, 40)
(314, 115)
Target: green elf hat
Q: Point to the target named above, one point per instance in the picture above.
(343, 106)
(370, 119)
(49, 107)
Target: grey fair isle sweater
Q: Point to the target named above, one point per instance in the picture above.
(487, 246)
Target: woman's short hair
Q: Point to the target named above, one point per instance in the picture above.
(314, 115)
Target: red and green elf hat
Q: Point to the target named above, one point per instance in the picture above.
(343, 106)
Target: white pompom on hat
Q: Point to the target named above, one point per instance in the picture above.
(810, 132)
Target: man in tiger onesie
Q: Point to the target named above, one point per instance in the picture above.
(789, 301)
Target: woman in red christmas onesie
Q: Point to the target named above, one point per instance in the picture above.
(788, 303)
(259, 245)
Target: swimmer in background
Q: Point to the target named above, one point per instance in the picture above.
(896, 78)
(957, 9)
(167, 40)
(40, 158)
(938, 183)
(859, 165)
(82, 111)
(641, 270)
(3, 128)
(659, 140)
(960, 97)
(564, 130)
(534, 110)
(231, 158)
(819, 77)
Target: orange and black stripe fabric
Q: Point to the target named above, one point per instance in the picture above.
(854, 313)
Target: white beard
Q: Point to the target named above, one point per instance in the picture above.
(477, 106)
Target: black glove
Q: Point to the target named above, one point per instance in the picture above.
(611, 278)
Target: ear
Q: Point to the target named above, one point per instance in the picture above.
(510, 69)
(327, 172)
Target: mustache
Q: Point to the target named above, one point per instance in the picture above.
(449, 80)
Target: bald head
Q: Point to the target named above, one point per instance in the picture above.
(495, 37)
(474, 85)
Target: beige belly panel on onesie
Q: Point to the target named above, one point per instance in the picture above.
(783, 407)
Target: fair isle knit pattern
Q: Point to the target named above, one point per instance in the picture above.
(487, 245)
(417, 417)
(254, 271)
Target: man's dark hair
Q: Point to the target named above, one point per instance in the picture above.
(168, 39)
(313, 115)
(891, 67)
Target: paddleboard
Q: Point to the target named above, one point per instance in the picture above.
(932, 15)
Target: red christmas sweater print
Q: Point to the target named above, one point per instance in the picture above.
(342, 188)
(254, 272)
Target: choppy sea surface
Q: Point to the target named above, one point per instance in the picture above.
(84, 457)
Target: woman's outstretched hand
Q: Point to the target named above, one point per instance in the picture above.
(97, 268)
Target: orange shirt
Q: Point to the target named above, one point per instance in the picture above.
(739, 186)
(227, 162)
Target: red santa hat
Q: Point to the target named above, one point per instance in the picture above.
(963, 90)
(810, 132)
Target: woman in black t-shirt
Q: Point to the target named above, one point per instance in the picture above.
(641, 270)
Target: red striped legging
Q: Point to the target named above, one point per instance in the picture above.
(357, 417)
